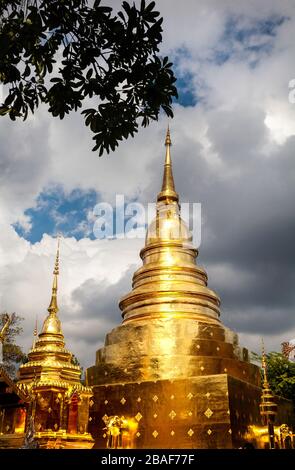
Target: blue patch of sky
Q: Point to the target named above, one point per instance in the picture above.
(186, 96)
(184, 82)
(57, 212)
(115, 221)
(75, 215)
(238, 32)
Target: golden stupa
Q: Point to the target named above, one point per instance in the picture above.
(172, 375)
(59, 402)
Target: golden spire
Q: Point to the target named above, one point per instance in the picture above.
(268, 406)
(35, 332)
(53, 308)
(169, 284)
(263, 364)
(52, 323)
(168, 192)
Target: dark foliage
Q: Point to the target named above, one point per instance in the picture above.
(280, 374)
(73, 53)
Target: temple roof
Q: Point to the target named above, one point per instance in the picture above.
(5, 377)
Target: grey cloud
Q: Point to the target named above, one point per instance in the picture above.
(99, 299)
(96, 313)
(93, 296)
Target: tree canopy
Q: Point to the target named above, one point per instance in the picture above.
(280, 374)
(12, 353)
(73, 54)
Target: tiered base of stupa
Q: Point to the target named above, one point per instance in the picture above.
(176, 383)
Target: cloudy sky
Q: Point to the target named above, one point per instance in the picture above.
(233, 151)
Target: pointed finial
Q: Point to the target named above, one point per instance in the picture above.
(36, 327)
(268, 406)
(35, 332)
(168, 192)
(53, 308)
(56, 265)
(263, 363)
(168, 139)
(168, 145)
